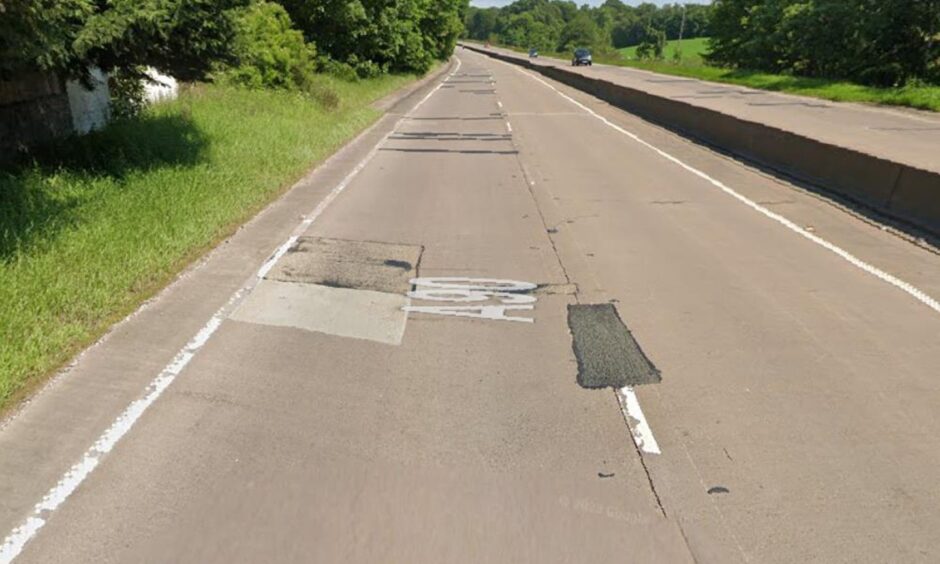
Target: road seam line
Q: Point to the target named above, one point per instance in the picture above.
(17, 539)
(907, 287)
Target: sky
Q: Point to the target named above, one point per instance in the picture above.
(490, 3)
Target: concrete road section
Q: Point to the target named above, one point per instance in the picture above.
(508, 324)
(901, 135)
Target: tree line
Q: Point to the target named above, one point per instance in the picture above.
(880, 42)
(192, 39)
(877, 42)
(559, 25)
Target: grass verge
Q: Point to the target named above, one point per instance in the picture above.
(692, 65)
(92, 227)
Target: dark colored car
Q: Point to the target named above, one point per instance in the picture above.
(581, 57)
(533, 53)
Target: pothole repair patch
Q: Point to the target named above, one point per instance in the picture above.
(338, 287)
(607, 353)
(359, 265)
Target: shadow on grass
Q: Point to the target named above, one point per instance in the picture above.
(43, 191)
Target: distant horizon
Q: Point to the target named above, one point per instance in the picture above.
(500, 3)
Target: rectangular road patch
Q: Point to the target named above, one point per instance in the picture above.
(360, 314)
(363, 265)
(607, 354)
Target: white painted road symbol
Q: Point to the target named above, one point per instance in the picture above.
(511, 295)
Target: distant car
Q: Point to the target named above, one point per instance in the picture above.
(581, 57)
(533, 53)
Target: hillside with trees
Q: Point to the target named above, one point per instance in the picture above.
(557, 25)
(878, 42)
(876, 51)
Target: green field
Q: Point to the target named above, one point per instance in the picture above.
(691, 49)
(925, 97)
(92, 227)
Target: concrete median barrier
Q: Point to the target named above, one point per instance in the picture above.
(898, 190)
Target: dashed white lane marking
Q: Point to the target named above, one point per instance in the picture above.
(639, 428)
(907, 287)
(16, 540)
(498, 103)
(508, 127)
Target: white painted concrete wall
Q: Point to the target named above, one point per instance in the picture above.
(91, 109)
(165, 87)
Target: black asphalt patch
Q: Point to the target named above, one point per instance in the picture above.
(608, 355)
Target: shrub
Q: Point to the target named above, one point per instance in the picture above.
(338, 69)
(127, 93)
(653, 44)
(270, 53)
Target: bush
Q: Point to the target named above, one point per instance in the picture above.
(127, 93)
(270, 53)
(369, 35)
(653, 45)
(338, 69)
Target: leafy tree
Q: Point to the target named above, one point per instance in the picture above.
(537, 23)
(270, 53)
(883, 42)
(378, 35)
(579, 32)
(183, 38)
(653, 44)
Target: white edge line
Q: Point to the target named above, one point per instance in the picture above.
(16, 540)
(907, 287)
(639, 427)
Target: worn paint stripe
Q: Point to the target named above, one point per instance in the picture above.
(639, 427)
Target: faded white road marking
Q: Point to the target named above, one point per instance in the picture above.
(907, 287)
(498, 103)
(16, 540)
(508, 126)
(495, 313)
(510, 293)
(14, 543)
(639, 428)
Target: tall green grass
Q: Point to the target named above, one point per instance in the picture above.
(93, 226)
(692, 65)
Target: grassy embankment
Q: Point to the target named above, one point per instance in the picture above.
(692, 65)
(92, 227)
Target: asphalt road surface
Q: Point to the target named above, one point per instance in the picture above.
(620, 347)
